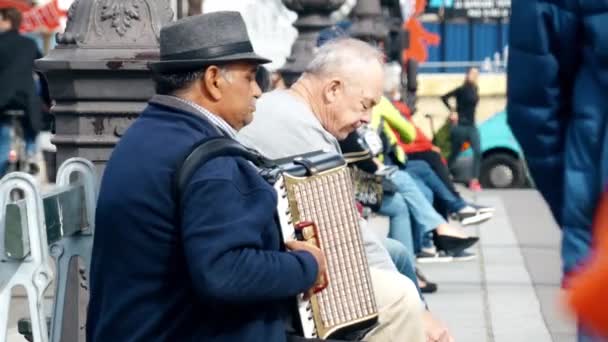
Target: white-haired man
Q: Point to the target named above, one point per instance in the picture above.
(333, 98)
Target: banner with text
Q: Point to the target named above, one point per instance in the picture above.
(474, 9)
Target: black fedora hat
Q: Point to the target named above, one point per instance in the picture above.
(198, 41)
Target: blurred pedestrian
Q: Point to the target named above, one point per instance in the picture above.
(18, 94)
(587, 295)
(463, 128)
(558, 111)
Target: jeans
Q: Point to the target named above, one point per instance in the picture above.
(460, 134)
(409, 200)
(423, 238)
(5, 147)
(377, 255)
(436, 163)
(400, 227)
(5, 144)
(400, 257)
(421, 170)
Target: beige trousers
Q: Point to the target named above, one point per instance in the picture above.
(399, 307)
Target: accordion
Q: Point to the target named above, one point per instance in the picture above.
(315, 191)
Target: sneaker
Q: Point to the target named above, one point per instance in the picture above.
(464, 256)
(474, 186)
(426, 257)
(470, 215)
(483, 208)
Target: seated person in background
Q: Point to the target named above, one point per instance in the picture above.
(393, 129)
(330, 100)
(586, 292)
(410, 194)
(324, 105)
(412, 216)
(422, 149)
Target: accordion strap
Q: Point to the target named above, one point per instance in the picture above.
(211, 148)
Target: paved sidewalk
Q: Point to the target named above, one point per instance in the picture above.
(510, 292)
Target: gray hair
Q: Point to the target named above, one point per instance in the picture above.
(392, 77)
(343, 57)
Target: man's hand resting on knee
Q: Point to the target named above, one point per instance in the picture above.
(434, 329)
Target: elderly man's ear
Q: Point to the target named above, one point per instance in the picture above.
(213, 82)
(332, 90)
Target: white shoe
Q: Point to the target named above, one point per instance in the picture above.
(470, 215)
(425, 257)
(483, 208)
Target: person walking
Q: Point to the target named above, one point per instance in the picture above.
(18, 95)
(558, 111)
(463, 127)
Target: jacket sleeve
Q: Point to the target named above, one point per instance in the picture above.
(392, 116)
(421, 144)
(222, 234)
(543, 56)
(446, 98)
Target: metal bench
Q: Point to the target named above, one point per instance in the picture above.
(58, 224)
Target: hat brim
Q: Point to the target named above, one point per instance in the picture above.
(193, 64)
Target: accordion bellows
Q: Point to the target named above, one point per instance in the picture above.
(327, 199)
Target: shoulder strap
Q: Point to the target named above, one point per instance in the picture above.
(211, 148)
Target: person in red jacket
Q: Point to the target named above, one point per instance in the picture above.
(422, 148)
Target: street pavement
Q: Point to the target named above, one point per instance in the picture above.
(510, 292)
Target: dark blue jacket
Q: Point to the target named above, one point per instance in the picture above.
(558, 107)
(17, 87)
(219, 276)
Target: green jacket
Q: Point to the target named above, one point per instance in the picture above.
(385, 118)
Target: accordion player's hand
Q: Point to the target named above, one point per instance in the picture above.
(316, 252)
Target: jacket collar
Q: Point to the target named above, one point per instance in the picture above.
(175, 103)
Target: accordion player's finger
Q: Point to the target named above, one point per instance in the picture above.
(315, 251)
(296, 245)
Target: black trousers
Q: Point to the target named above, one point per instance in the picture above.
(460, 134)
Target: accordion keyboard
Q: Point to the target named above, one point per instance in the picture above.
(327, 199)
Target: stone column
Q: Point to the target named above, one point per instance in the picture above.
(368, 21)
(313, 16)
(98, 74)
(99, 80)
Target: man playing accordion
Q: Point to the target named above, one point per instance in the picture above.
(205, 263)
